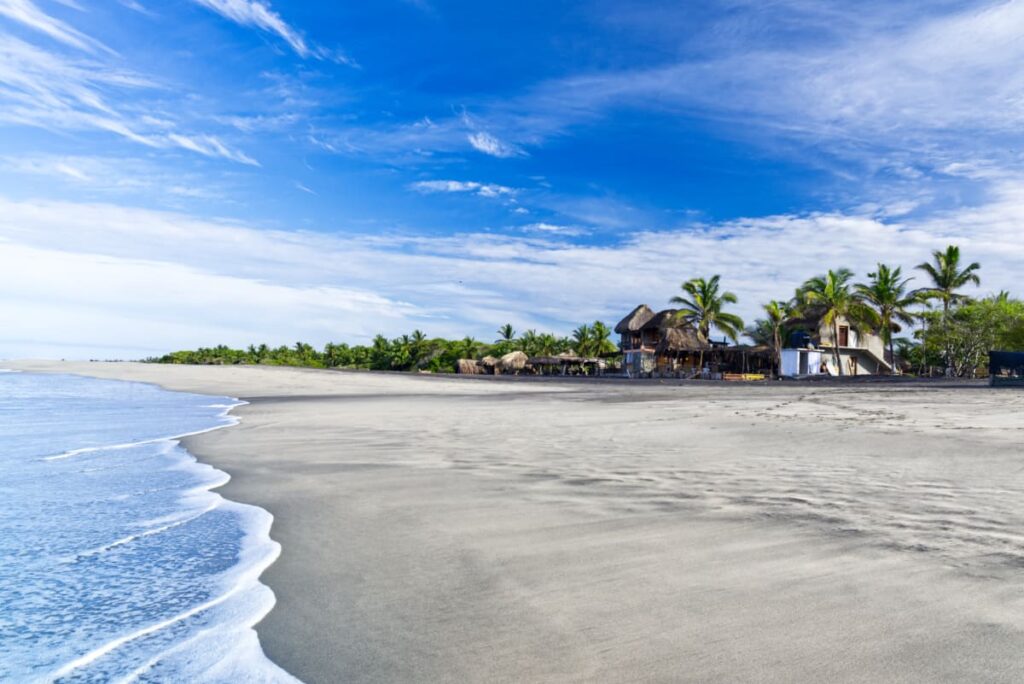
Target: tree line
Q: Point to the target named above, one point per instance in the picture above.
(410, 352)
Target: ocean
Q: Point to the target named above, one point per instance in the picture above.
(117, 561)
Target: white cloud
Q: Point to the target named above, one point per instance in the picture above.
(119, 176)
(490, 190)
(50, 91)
(553, 229)
(211, 147)
(26, 12)
(190, 281)
(488, 144)
(257, 14)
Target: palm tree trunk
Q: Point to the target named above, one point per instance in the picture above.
(835, 347)
(887, 330)
(778, 353)
(945, 331)
(892, 356)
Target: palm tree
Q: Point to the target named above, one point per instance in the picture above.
(528, 342)
(582, 340)
(506, 333)
(547, 345)
(887, 293)
(702, 308)
(947, 277)
(468, 348)
(417, 344)
(829, 298)
(601, 334)
(770, 329)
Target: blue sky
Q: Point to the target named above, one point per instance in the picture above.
(190, 172)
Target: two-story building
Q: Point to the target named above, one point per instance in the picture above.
(860, 353)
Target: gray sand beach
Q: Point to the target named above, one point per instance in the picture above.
(450, 530)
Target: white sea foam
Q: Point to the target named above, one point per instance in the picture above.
(123, 563)
(229, 420)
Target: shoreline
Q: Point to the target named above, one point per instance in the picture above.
(473, 533)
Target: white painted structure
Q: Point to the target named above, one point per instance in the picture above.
(796, 362)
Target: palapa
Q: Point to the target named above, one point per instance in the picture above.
(513, 361)
(635, 320)
(468, 367)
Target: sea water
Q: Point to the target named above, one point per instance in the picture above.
(117, 561)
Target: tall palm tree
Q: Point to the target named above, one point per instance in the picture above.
(506, 333)
(947, 277)
(828, 299)
(774, 324)
(702, 307)
(887, 293)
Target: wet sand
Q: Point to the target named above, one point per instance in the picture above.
(451, 530)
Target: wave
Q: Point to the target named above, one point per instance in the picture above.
(224, 415)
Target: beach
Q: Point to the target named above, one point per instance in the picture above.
(438, 529)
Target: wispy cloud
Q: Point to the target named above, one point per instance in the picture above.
(482, 189)
(121, 177)
(554, 229)
(28, 13)
(257, 14)
(488, 144)
(211, 147)
(52, 91)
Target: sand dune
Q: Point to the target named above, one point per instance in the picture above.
(439, 529)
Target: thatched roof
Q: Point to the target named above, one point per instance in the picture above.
(516, 360)
(489, 361)
(683, 338)
(468, 367)
(663, 319)
(635, 320)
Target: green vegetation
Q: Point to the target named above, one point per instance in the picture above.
(410, 352)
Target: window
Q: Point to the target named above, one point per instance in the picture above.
(844, 336)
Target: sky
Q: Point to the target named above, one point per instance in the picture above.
(188, 173)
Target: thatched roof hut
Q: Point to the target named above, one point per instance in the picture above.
(468, 367)
(488, 362)
(680, 339)
(513, 361)
(635, 320)
(663, 320)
